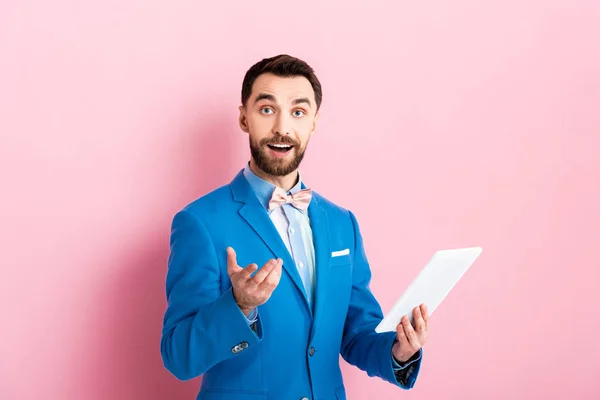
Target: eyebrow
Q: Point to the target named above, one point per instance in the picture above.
(264, 96)
(270, 97)
(301, 100)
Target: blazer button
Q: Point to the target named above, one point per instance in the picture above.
(311, 351)
(239, 347)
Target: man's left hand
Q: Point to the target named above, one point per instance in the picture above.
(411, 339)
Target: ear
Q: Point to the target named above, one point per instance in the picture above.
(243, 121)
(315, 122)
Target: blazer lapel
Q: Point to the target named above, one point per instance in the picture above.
(320, 230)
(257, 217)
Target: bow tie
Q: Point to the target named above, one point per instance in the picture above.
(300, 199)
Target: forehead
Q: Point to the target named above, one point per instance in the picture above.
(284, 89)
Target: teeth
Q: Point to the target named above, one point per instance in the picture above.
(281, 146)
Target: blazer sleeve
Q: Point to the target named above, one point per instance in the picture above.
(202, 325)
(361, 345)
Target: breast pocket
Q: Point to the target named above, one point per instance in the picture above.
(340, 260)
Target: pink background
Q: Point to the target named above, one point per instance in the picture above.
(479, 122)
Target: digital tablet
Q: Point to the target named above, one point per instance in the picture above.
(432, 285)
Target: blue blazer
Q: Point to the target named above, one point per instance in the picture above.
(294, 351)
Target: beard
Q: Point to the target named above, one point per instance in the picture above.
(276, 166)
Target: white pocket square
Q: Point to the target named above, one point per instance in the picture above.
(340, 253)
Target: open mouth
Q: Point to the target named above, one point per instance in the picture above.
(280, 147)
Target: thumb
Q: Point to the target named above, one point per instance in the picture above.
(232, 266)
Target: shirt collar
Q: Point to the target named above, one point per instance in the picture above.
(263, 189)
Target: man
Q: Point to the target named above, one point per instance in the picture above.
(268, 281)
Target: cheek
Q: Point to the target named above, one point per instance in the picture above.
(258, 127)
(304, 131)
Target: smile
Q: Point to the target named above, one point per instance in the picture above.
(280, 147)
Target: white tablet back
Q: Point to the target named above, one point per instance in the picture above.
(432, 285)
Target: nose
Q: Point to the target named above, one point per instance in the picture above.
(282, 125)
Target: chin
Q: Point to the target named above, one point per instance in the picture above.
(276, 166)
(280, 167)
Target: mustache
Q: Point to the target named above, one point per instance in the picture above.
(279, 140)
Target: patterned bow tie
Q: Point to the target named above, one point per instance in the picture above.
(300, 199)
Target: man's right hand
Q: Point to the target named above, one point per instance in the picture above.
(251, 292)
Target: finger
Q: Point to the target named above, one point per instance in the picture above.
(419, 321)
(272, 279)
(244, 274)
(425, 313)
(262, 273)
(232, 266)
(400, 335)
(411, 335)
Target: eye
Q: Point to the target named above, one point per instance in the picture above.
(298, 113)
(266, 110)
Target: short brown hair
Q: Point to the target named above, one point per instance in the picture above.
(282, 65)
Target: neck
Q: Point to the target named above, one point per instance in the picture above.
(285, 182)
